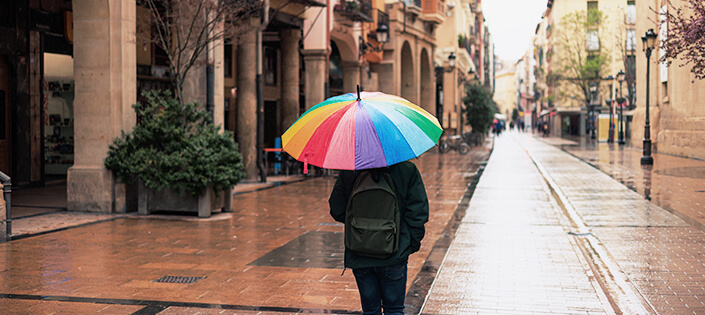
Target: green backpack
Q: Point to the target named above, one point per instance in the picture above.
(372, 216)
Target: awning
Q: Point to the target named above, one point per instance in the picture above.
(310, 3)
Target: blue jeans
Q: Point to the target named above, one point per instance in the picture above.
(382, 288)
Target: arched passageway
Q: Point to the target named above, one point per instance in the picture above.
(408, 84)
(426, 100)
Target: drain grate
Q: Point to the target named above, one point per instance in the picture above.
(179, 279)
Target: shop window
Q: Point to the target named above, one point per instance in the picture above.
(159, 56)
(270, 66)
(58, 119)
(228, 59)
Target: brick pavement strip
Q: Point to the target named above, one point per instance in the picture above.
(660, 253)
(116, 262)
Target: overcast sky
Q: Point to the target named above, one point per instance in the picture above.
(512, 23)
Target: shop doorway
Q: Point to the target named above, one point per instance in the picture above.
(5, 118)
(58, 116)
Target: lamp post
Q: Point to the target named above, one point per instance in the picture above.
(382, 33)
(591, 110)
(439, 71)
(620, 120)
(648, 41)
(610, 136)
(382, 37)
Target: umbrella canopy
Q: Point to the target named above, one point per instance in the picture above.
(361, 131)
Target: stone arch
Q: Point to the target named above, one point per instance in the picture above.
(426, 99)
(335, 70)
(408, 83)
(346, 46)
(349, 61)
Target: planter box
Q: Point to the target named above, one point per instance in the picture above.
(171, 200)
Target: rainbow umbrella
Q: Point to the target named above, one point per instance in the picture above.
(367, 130)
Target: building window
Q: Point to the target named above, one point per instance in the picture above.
(592, 5)
(631, 40)
(270, 66)
(228, 59)
(592, 40)
(631, 12)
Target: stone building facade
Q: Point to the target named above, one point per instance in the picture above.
(677, 115)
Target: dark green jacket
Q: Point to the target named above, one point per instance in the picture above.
(413, 204)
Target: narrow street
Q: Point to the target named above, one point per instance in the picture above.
(541, 232)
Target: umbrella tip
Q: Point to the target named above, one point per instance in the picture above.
(358, 92)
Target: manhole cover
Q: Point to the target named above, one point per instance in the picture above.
(178, 279)
(690, 172)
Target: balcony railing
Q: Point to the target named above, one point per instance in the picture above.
(382, 18)
(355, 10)
(433, 7)
(414, 3)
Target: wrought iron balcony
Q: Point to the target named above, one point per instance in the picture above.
(434, 10)
(355, 10)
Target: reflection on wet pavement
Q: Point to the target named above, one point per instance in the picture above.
(661, 253)
(115, 263)
(511, 253)
(673, 183)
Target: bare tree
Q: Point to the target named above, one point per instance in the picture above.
(685, 35)
(184, 29)
(580, 58)
(627, 51)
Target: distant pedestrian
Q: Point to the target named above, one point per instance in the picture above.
(381, 278)
(544, 127)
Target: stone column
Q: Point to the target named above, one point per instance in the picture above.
(247, 102)
(351, 76)
(290, 76)
(315, 76)
(105, 89)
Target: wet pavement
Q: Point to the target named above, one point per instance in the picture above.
(636, 257)
(279, 252)
(551, 227)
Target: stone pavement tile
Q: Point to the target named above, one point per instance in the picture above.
(120, 258)
(661, 254)
(56, 220)
(16, 306)
(511, 255)
(674, 183)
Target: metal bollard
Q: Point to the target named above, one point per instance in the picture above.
(7, 192)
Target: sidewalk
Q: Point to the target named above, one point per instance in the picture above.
(279, 252)
(612, 252)
(43, 209)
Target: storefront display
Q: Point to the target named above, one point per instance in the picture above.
(58, 86)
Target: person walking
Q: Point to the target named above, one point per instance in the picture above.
(381, 279)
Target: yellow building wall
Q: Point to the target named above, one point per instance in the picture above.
(675, 100)
(505, 93)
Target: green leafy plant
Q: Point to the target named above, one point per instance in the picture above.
(479, 109)
(175, 146)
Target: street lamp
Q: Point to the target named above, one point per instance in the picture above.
(621, 76)
(439, 71)
(591, 110)
(382, 37)
(451, 65)
(648, 43)
(382, 34)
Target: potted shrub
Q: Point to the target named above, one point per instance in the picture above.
(177, 158)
